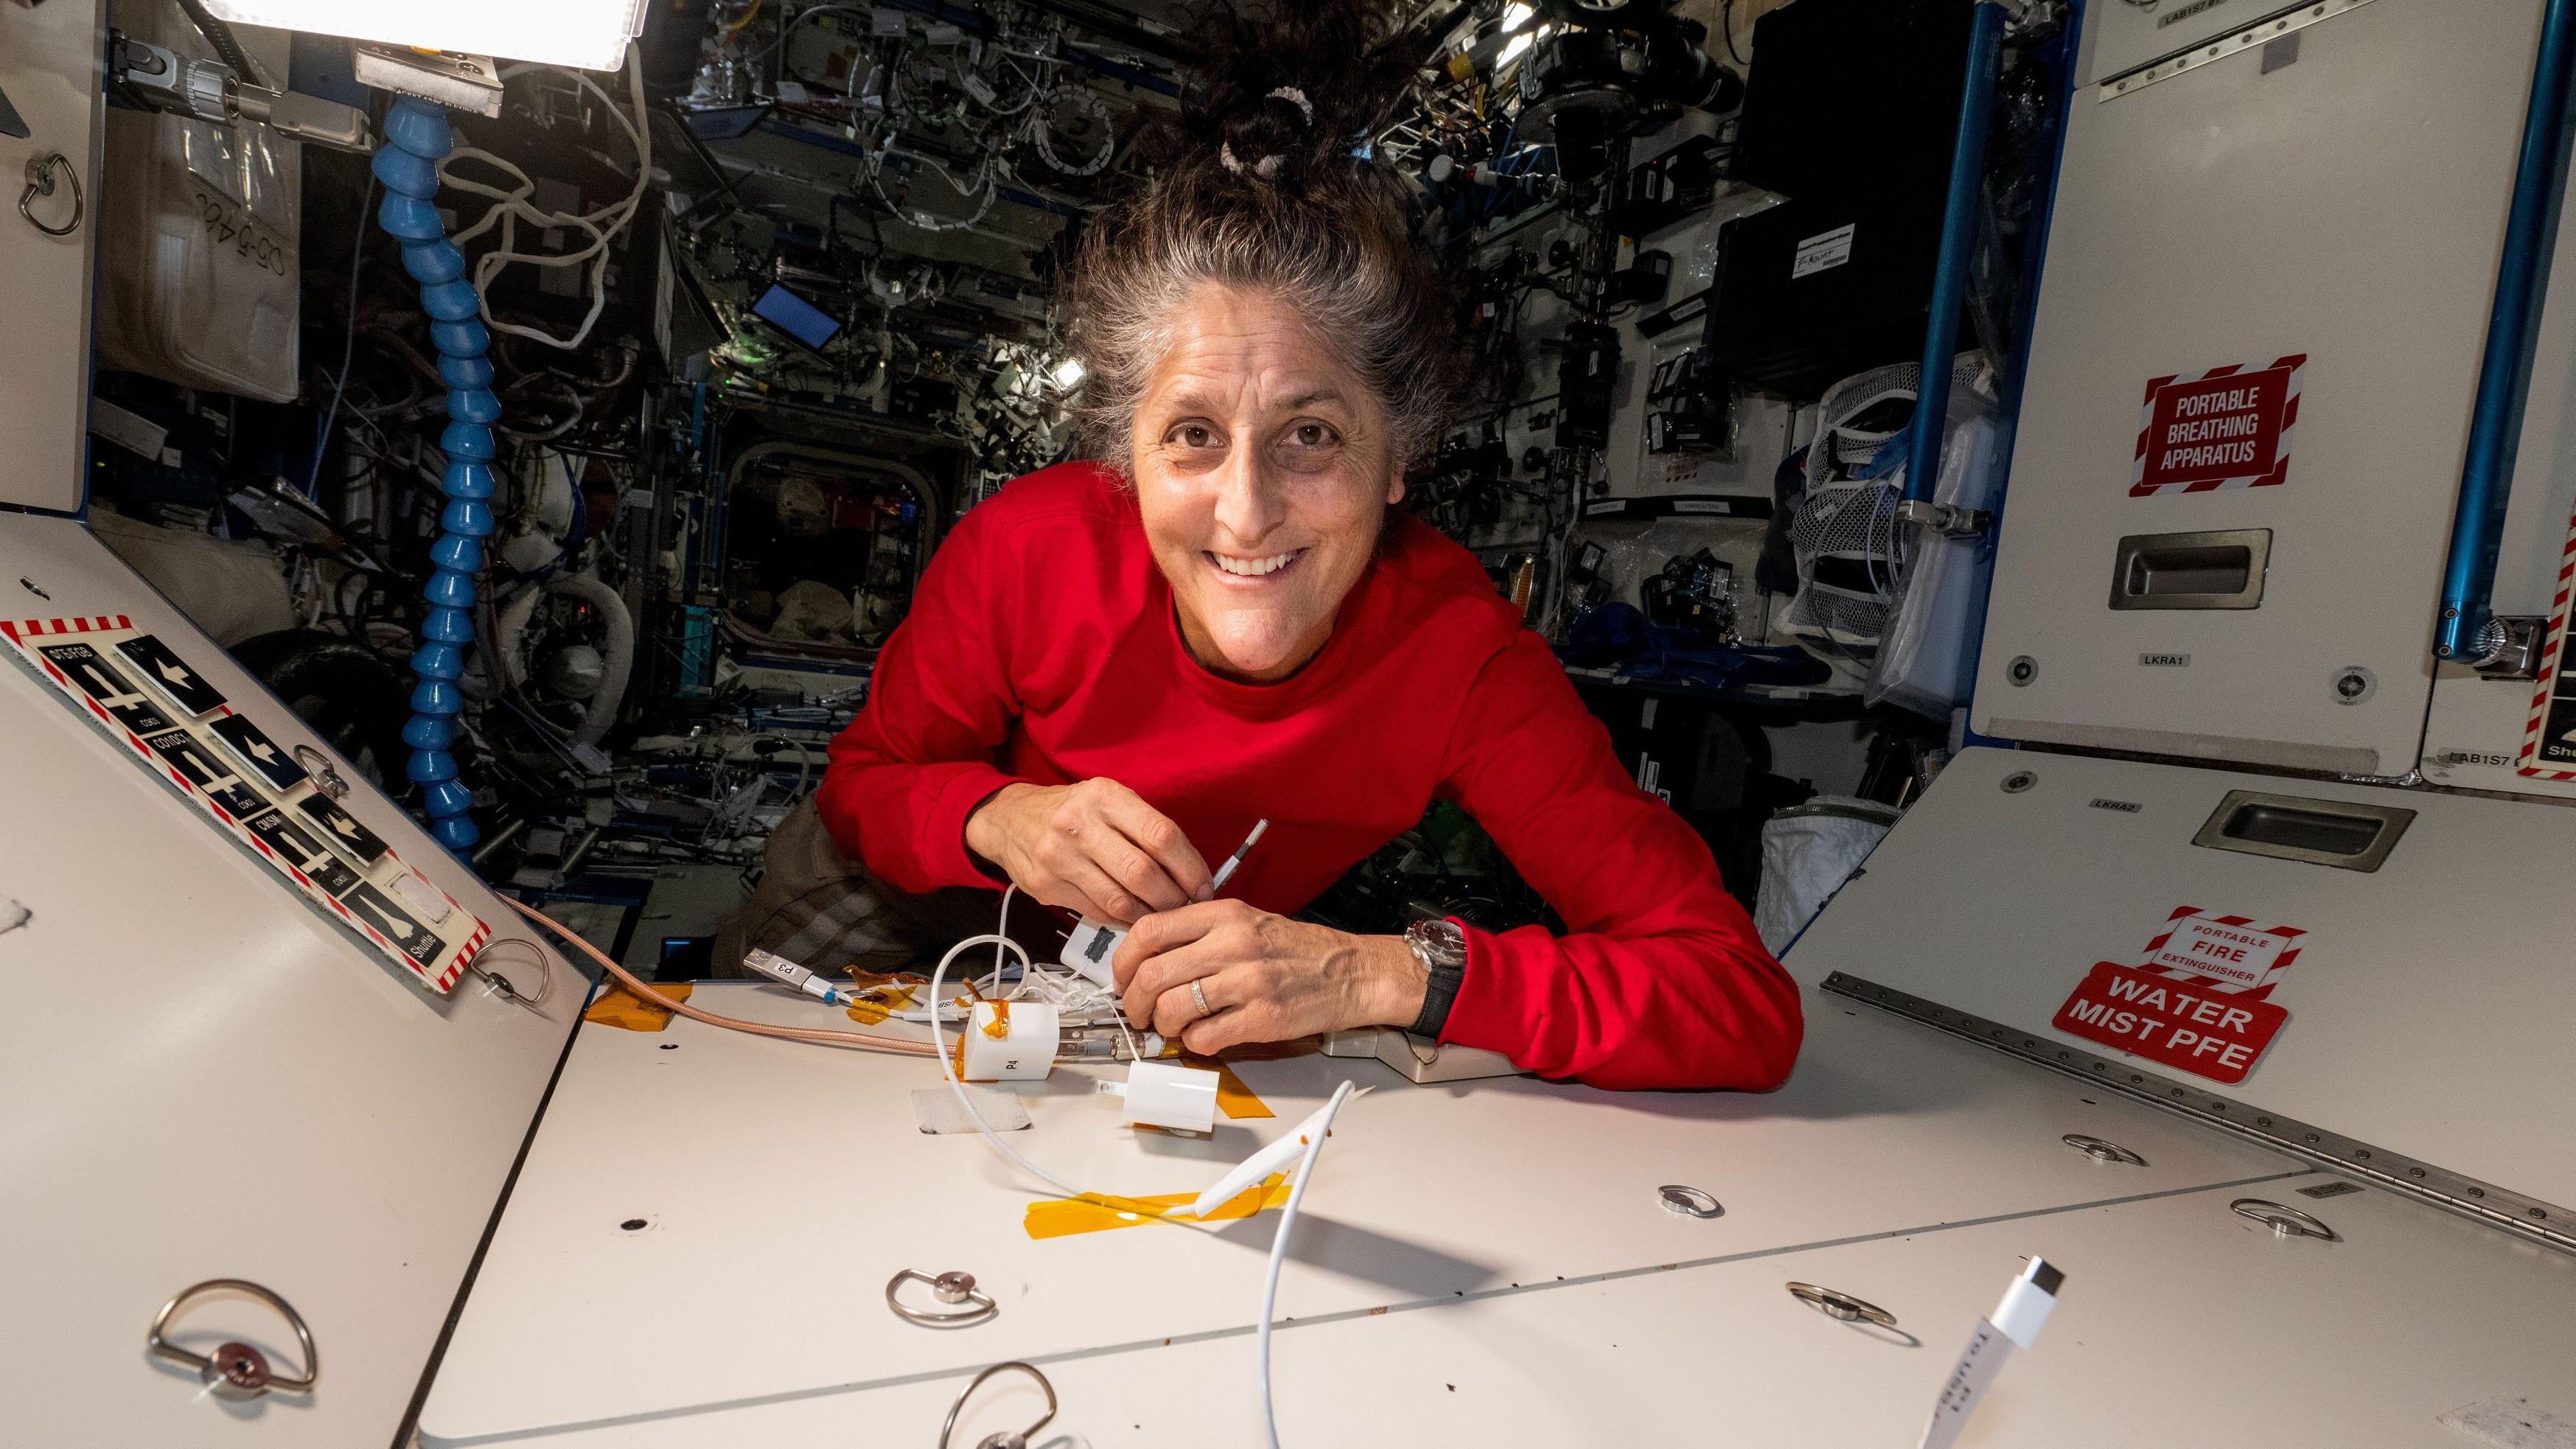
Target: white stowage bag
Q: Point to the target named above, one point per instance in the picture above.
(1808, 851)
(1927, 656)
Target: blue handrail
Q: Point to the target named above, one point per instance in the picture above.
(2513, 328)
(1958, 245)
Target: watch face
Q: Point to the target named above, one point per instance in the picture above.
(1442, 943)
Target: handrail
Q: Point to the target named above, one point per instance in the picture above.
(2460, 629)
(1958, 246)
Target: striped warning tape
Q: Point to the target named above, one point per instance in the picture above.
(2551, 654)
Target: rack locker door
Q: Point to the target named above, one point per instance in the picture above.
(2373, 976)
(2257, 338)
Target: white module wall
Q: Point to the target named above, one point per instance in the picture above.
(2335, 209)
(209, 1077)
(49, 70)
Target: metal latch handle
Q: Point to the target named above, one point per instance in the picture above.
(1834, 1304)
(237, 1369)
(947, 1288)
(41, 171)
(2287, 1221)
(1019, 1440)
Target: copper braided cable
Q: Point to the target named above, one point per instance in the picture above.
(644, 992)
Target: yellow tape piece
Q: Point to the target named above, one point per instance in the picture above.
(1233, 1098)
(875, 997)
(619, 1007)
(1094, 1212)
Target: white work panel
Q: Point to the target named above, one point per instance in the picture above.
(2347, 208)
(207, 1079)
(2430, 1004)
(2179, 1323)
(51, 60)
(783, 1184)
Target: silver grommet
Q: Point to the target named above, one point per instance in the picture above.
(2018, 781)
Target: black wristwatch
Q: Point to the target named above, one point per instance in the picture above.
(1442, 949)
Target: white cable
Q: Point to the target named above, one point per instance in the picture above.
(948, 1069)
(512, 206)
(1279, 1250)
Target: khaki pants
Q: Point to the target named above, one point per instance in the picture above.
(822, 910)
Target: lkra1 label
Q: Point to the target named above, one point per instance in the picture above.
(2165, 661)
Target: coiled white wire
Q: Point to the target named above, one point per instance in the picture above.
(512, 206)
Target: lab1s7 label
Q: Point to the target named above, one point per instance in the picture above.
(2227, 427)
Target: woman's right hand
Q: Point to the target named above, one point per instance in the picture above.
(1094, 847)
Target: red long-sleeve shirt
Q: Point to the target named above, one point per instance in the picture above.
(1042, 646)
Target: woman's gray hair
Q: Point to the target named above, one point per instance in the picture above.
(1262, 194)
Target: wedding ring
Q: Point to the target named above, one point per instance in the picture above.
(1200, 997)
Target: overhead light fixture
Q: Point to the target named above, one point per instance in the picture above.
(1067, 373)
(584, 34)
(1516, 15)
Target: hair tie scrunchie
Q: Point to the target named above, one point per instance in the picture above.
(1267, 168)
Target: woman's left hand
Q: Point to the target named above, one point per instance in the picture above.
(1264, 977)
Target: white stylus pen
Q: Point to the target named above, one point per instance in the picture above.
(1225, 872)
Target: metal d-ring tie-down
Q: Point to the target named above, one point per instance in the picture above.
(1841, 1305)
(947, 1288)
(237, 1369)
(40, 182)
(2287, 1221)
(2102, 1151)
(1688, 1201)
(1019, 1440)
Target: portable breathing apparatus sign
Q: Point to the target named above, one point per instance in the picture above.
(2229, 427)
(2199, 1004)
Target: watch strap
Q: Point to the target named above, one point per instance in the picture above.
(1440, 992)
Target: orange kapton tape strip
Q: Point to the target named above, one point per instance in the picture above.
(1059, 1217)
(618, 1007)
(1233, 1098)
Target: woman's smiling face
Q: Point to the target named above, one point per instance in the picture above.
(1264, 470)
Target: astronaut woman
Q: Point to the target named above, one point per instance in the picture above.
(1114, 667)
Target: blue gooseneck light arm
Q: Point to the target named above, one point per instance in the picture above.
(1958, 245)
(416, 136)
(2513, 327)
